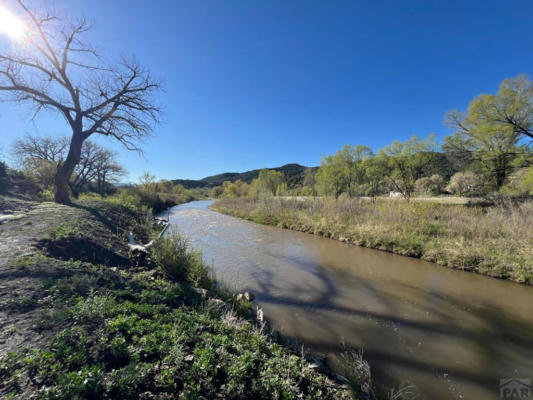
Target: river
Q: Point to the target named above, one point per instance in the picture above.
(451, 334)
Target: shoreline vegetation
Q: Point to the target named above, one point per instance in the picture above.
(92, 320)
(491, 240)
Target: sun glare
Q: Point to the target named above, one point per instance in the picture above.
(10, 25)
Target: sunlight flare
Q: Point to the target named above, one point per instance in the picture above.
(10, 25)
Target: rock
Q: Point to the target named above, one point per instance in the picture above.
(249, 296)
(135, 248)
(8, 217)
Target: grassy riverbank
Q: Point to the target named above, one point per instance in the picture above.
(494, 241)
(79, 320)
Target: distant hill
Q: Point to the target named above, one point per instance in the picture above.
(294, 174)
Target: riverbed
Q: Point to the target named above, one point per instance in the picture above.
(451, 334)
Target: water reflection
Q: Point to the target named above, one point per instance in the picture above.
(452, 334)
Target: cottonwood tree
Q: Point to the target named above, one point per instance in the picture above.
(343, 171)
(55, 70)
(269, 182)
(510, 109)
(406, 162)
(495, 149)
(41, 156)
(107, 170)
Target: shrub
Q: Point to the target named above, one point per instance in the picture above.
(464, 183)
(174, 256)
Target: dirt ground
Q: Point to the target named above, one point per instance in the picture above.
(30, 235)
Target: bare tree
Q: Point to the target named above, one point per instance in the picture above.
(41, 155)
(55, 70)
(32, 150)
(107, 170)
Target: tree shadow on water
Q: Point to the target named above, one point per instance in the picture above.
(490, 345)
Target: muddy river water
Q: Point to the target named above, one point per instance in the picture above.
(452, 334)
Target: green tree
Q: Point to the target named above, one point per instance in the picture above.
(375, 172)
(309, 177)
(331, 177)
(406, 162)
(510, 109)
(492, 130)
(268, 182)
(430, 184)
(216, 192)
(235, 189)
(520, 182)
(343, 171)
(307, 191)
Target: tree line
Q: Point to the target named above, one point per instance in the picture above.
(488, 152)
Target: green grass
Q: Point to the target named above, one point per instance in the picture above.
(65, 231)
(494, 241)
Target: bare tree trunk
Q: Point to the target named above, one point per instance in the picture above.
(65, 170)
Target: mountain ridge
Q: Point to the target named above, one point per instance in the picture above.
(293, 172)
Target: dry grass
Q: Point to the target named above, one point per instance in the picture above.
(495, 241)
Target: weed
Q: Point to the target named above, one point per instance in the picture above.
(64, 231)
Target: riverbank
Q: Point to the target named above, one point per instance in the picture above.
(78, 319)
(493, 241)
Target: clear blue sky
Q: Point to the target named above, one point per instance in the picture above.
(253, 84)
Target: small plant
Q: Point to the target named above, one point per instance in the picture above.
(405, 391)
(174, 256)
(357, 371)
(64, 231)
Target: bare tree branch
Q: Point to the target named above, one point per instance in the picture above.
(55, 70)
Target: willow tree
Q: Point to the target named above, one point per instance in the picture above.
(53, 69)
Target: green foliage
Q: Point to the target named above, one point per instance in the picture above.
(343, 172)
(307, 191)
(433, 184)
(406, 162)
(519, 183)
(269, 183)
(235, 189)
(216, 192)
(490, 135)
(174, 256)
(295, 175)
(64, 231)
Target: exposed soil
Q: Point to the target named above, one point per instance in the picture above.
(26, 240)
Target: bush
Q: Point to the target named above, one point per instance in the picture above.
(464, 184)
(174, 256)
